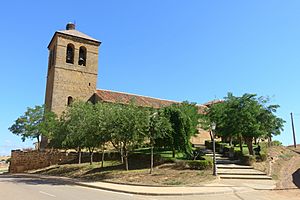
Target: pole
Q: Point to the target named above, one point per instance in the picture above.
(294, 136)
(214, 155)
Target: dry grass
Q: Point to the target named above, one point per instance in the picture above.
(283, 164)
(166, 174)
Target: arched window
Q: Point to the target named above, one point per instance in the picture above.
(70, 100)
(82, 56)
(70, 54)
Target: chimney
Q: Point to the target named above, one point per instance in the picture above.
(70, 26)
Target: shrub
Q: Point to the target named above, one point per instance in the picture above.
(226, 150)
(276, 143)
(168, 160)
(248, 159)
(263, 157)
(181, 164)
(208, 144)
(238, 154)
(199, 164)
(221, 146)
(8, 160)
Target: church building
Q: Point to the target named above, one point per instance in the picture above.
(73, 72)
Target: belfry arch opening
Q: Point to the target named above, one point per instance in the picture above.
(70, 54)
(82, 56)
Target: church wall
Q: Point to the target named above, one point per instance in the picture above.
(78, 85)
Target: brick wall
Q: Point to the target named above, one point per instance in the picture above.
(28, 160)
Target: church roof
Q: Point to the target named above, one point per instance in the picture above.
(71, 31)
(77, 34)
(126, 98)
(210, 103)
(144, 101)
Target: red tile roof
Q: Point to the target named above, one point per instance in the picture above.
(144, 101)
(210, 103)
(125, 98)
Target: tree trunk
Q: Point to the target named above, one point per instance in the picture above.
(270, 141)
(230, 143)
(211, 136)
(91, 157)
(241, 144)
(102, 162)
(173, 153)
(38, 143)
(249, 143)
(121, 152)
(126, 158)
(79, 155)
(151, 162)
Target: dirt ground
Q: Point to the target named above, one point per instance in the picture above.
(283, 164)
(166, 174)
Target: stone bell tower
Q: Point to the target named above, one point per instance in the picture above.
(72, 68)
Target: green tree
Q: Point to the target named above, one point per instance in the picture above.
(101, 125)
(245, 117)
(127, 127)
(84, 124)
(158, 128)
(35, 122)
(184, 119)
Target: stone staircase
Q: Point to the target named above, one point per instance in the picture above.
(232, 169)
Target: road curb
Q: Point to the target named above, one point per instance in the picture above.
(230, 189)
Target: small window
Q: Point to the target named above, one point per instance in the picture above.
(70, 54)
(82, 56)
(70, 100)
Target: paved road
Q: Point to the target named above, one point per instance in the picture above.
(20, 188)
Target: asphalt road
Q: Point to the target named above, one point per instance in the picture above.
(21, 188)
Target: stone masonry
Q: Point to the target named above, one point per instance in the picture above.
(70, 79)
(28, 160)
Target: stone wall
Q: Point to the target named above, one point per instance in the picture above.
(70, 79)
(201, 137)
(28, 160)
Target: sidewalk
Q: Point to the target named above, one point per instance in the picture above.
(218, 187)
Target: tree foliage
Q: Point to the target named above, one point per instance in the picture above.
(127, 127)
(245, 117)
(84, 125)
(35, 122)
(184, 119)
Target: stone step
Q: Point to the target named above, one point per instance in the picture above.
(233, 166)
(211, 154)
(222, 158)
(227, 161)
(256, 177)
(240, 172)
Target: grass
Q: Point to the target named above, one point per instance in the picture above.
(161, 153)
(172, 182)
(3, 169)
(263, 147)
(165, 174)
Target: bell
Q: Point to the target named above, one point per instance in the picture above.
(81, 61)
